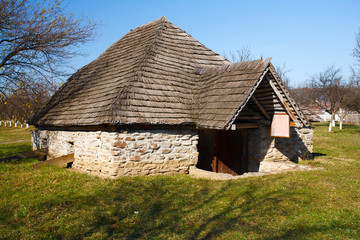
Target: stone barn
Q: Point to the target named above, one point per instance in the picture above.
(159, 102)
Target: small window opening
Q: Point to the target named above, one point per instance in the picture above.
(70, 147)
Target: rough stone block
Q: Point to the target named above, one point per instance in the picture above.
(154, 146)
(135, 158)
(186, 137)
(165, 145)
(166, 151)
(120, 144)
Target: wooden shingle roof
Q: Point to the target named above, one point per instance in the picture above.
(223, 90)
(155, 74)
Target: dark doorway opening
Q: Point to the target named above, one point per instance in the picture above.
(223, 151)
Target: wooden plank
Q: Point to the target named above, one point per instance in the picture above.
(215, 164)
(247, 125)
(263, 90)
(245, 113)
(273, 101)
(261, 108)
(273, 106)
(280, 126)
(60, 161)
(264, 98)
(248, 117)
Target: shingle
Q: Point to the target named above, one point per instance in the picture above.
(155, 74)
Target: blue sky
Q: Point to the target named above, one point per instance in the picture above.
(307, 36)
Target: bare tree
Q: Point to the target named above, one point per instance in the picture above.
(354, 103)
(356, 50)
(345, 93)
(283, 73)
(325, 91)
(301, 95)
(36, 40)
(354, 95)
(21, 103)
(242, 55)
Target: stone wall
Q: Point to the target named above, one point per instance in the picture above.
(146, 152)
(125, 153)
(264, 149)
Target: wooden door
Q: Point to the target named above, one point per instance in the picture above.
(231, 152)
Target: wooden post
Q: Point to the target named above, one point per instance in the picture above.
(216, 151)
(215, 164)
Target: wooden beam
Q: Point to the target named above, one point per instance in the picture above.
(215, 164)
(247, 125)
(242, 117)
(60, 161)
(260, 107)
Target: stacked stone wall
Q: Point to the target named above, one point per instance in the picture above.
(125, 153)
(263, 148)
(147, 152)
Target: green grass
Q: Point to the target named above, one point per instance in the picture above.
(14, 141)
(53, 203)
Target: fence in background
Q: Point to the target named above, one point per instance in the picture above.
(13, 124)
(352, 118)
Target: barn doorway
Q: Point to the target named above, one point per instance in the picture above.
(223, 151)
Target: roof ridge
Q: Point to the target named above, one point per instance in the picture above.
(126, 90)
(230, 66)
(160, 19)
(151, 45)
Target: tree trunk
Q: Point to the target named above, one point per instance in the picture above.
(332, 121)
(341, 118)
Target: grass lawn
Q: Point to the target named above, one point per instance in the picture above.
(14, 141)
(54, 203)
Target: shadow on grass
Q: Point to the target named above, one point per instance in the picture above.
(13, 149)
(162, 207)
(349, 231)
(317, 154)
